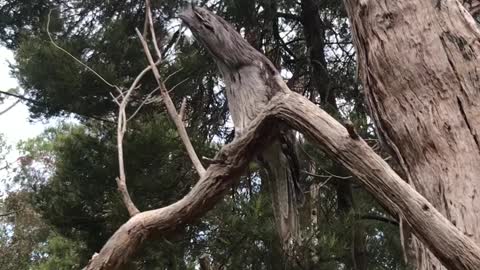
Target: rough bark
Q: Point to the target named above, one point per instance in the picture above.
(419, 62)
(448, 243)
(454, 249)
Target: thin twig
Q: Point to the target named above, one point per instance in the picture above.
(173, 74)
(8, 214)
(145, 101)
(327, 176)
(73, 57)
(10, 107)
(178, 84)
(325, 182)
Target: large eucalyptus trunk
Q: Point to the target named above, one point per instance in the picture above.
(419, 63)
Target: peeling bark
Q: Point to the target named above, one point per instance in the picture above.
(419, 62)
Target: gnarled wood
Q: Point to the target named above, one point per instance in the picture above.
(247, 75)
(454, 249)
(419, 62)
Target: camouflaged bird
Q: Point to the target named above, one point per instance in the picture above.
(251, 81)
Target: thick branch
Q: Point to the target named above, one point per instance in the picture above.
(218, 179)
(395, 194)
(399, 197)
(385, 185)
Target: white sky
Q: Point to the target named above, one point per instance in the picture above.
(15, 123)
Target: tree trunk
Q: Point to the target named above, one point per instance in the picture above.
(314, 31)
(450, 245)
(359, 246)
(419, 63)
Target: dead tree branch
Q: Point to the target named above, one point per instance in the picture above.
(8, 214)
(443, 238)
(122, 102)
(37, 103)
(374, 173)
(73, 57)
(172, 111)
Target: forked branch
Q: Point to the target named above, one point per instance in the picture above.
(122, 102)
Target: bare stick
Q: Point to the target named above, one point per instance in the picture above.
(178, 84)
(327, 176)
(182, 131)
(173, 74)
(121, 124)
(152, 30)
(121, 130)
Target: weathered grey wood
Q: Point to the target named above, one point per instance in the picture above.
(447, 242)
(247, 74)
(451, 246)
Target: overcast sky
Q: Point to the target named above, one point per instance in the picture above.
(14, 123)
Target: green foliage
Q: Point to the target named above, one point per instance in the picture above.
(21, 232)
(67, 175)
(27, 242)
(59, 253)
(4, 150)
